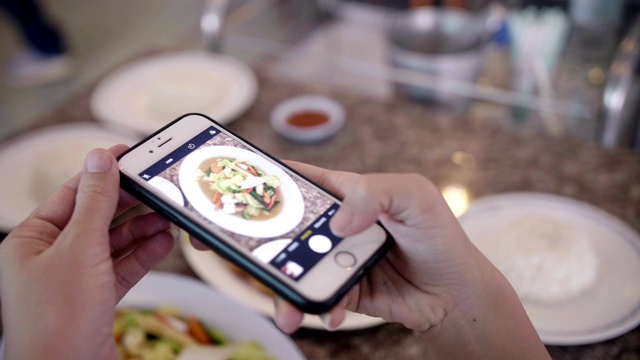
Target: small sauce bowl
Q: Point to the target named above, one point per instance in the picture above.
(307, 118)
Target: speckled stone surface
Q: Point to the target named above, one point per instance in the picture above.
(476, 152)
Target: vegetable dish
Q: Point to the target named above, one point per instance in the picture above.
(236, 187)
(164, 333)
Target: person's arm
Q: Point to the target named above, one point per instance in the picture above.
(492, 325)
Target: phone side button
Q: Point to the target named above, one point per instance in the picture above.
(345, 259)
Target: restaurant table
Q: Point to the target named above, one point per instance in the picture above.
(402, 136)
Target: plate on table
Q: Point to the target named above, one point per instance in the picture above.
(146, 94)
(194, 298)
(292, 204)
(610, 306)
(38, 162)
(168, 188)
(216, 271)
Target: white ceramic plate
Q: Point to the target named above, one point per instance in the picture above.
(194, 298)
(38, 162)
(168, 188)
(212, 269)
(612, 306)
(148, 93)
(292, 203)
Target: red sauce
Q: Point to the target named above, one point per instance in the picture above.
(308, 118)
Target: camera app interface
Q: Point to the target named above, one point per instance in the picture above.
(276, 216)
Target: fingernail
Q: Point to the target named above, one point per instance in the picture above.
(326, 321)
(174, 231)
(98, 161)
(277, 318)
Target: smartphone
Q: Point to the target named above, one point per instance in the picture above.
(251, 209)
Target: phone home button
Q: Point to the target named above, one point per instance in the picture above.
(345, 259)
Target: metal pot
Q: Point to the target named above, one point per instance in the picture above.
(444, 42)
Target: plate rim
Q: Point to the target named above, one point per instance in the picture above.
(39, 135)
(630, 236)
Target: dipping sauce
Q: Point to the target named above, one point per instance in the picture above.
(308, 118)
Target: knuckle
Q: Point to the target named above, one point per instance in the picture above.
(92, 189)
(123, 281)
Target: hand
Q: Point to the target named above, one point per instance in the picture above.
(433, 280)
(63, 270)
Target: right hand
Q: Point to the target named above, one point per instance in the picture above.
(433, 280)
(432, 267)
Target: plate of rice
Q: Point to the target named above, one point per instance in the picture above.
(575, 267)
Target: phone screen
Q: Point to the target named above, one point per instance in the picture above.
(272, 213)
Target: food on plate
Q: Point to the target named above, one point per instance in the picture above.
(237, 187)
(546, 260)
(166, 334)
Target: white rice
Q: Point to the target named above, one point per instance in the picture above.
(545, 260)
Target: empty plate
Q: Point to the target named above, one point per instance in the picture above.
(146, 94)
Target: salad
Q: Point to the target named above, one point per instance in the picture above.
(239, 188)
(165, 334)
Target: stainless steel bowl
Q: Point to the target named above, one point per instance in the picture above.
(446, 43)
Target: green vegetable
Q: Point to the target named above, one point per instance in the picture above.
(151, 324)
(122, 323)
(260, 201)
(251, 211)
(216, 336)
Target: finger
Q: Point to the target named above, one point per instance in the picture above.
(198, 244)
(340, 183)
(118, 149)
(335, 317)
(131, 268)
(397, 196)
(287, 318)
(328, 179)
(125, 201)
(97, 195)
(133, 232)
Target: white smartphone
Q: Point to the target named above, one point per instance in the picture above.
(251, 209)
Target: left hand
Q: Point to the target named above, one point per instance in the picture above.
(63, 270)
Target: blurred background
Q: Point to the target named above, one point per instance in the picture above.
(351, 44)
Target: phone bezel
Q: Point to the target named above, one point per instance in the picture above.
(304, 293)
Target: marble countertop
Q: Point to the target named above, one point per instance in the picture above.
(400, 136)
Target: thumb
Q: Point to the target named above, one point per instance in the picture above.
(368, 197)
(97, 195)
(360, 208)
